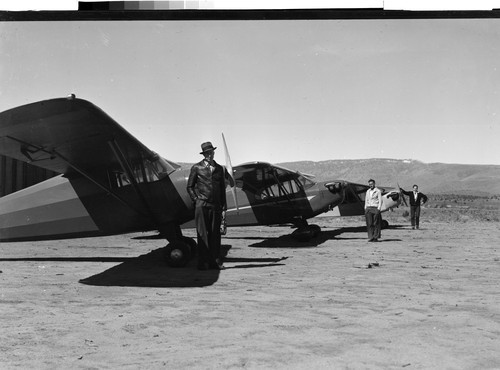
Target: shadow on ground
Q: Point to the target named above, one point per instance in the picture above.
(287, 241)
(69, 259)
(151, 270)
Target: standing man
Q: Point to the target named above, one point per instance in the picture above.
(416, 199)
(207, 188)
(373, 205)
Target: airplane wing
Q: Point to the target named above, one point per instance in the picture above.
(67, 135)
(256, 176)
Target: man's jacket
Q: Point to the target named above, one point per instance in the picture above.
(421, 197)
(207, 185)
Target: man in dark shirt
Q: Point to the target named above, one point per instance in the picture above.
(416, 199)
(207, 188)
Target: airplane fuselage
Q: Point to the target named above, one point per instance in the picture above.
(62, 207)
(75, 207)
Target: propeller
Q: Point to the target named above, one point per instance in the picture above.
(402, 196)
(229, 169)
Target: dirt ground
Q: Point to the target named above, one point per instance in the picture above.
(419, 299)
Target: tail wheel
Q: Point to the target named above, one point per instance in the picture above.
(177, 253)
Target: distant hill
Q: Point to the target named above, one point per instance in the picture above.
(432, 178)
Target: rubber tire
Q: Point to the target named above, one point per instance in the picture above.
(315, 229)
(177, 253)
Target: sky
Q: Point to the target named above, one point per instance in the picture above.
(279, 90)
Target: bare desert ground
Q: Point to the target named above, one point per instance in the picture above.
(420, 299)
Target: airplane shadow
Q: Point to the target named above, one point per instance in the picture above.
(287, 241)
(148, 237)
(68, 259)
(151, 270)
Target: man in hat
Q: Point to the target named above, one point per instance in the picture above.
(207, 188)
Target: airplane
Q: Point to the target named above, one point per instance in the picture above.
(110, 183)
(268, 194)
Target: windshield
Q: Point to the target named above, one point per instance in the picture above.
(147, 170)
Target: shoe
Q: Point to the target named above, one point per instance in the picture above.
(413, 227)
(370, 240)
(375, 240)
(417, 227)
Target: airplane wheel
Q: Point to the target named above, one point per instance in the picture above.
(385, 224)
(192, 245)
(177, 253)
(315, 229)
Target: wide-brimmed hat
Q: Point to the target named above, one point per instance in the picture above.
(205, 147)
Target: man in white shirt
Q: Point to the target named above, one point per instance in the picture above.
(373, 205)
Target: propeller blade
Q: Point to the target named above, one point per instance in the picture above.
(229, 168)
(402, 196)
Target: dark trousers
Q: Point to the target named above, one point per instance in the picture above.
(373, 222)
(415, 215)
(208, 218)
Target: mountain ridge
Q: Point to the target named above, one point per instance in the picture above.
(435, 178)
(432, 178)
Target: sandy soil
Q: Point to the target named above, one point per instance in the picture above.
(423, 299)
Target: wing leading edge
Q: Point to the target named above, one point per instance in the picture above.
(67, 135)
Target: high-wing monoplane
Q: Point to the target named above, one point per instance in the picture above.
(269, 194)
(110, 183)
